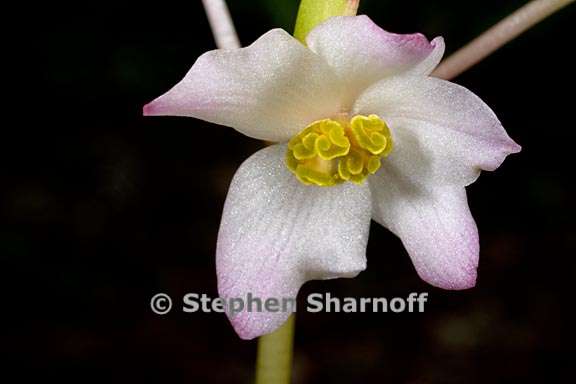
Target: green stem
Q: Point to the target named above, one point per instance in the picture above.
(274, 361)
(313, 12)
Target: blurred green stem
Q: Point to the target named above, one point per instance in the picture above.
(313, 12)
(274, 360)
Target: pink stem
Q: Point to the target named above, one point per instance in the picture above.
(500, 34)
(221, 24)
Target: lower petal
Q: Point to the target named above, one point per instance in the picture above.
(277, 233)
(435, 226)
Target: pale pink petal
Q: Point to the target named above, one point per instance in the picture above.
(443, 133)
(362, 53)
(443, 136)
(277, 233)
(434, 224)
(426, 66)
(270, 90)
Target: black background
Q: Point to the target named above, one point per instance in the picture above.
(105, 208)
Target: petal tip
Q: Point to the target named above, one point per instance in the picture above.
(467, 282)
(246, 334)
(243, 326)
(148, 109)
(515, 148)
(437, 41)
(459, 279)
(459, 283)
(250, 325)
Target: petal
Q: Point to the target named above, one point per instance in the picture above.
(362, 53)
(277, 233)
(426, 66)
(270, 90)
(435, 226)
(443, 133)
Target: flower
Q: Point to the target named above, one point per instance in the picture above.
(356, 104)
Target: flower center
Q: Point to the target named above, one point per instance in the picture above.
(329, 152)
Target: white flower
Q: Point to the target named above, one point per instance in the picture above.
(431, 137)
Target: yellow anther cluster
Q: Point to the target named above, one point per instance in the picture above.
(328, 152)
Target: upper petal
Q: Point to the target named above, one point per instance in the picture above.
(443, 133)
(277, 233)
(270, 90)
(434, 224)
(362, 53)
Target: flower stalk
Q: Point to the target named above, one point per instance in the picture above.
(274, 360)
(221, 24)
(497, 36)
(313, 12)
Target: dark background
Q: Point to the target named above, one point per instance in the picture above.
(104, 208)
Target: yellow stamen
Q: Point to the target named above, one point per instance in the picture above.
(329, 152)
